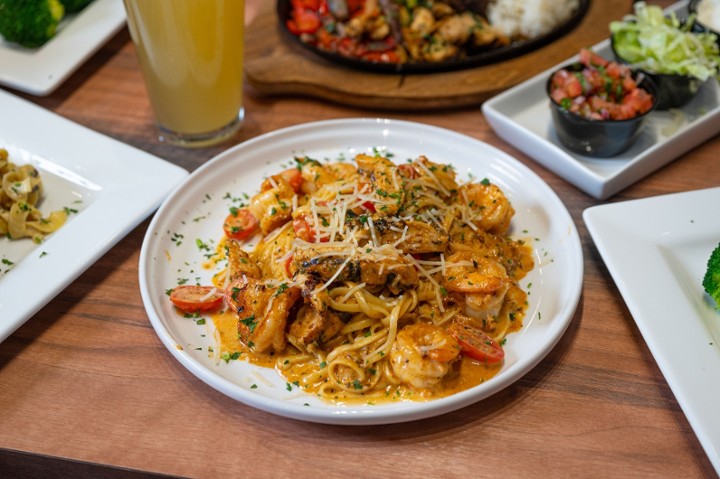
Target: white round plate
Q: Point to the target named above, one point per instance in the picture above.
(192, 217)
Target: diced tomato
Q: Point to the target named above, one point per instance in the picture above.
(389, 56)
(558, 95)
(303, 21)
(476, 344)
(196, 299)
(639, 99)
(292, 26)
(589, 57)
(601, 90)
(306, 4)
(368, 205)
(326, 40)
(240, 224)
(355, 6)
(348, 47)
(573, 87)
(629, 84)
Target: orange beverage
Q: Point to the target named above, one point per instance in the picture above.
(191, 55)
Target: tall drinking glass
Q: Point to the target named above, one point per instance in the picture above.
(191, 55)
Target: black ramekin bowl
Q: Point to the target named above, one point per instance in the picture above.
(598, 138)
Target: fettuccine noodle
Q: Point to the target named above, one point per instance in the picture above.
(21, 190)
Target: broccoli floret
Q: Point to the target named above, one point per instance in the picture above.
(711, 281)
(72, 6)
(30, 23)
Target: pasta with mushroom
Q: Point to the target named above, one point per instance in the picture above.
(20, 193)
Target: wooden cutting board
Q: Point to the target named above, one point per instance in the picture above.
(276, 66)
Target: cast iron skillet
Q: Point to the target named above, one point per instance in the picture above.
(482, 57)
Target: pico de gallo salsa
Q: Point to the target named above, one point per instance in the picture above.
(600, 90)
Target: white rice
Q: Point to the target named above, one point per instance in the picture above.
(529, 18)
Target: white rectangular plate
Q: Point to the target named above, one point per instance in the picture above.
(657, 251)
(521, 116)
(39, 71)
(112, 186)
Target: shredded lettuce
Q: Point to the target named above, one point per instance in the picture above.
(652, 41)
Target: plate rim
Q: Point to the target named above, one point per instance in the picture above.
(349, 415)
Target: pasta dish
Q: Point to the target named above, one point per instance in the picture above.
(370, 281)
(20, 193)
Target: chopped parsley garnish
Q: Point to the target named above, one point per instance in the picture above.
(250, 322)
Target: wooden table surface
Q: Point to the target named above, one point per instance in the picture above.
(88, 390)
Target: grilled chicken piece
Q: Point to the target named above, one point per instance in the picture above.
(312, 326)
(395, 272)
(420, 237)
(262, 311)
(386, 183)
(240, 263)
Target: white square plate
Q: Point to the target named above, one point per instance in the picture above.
(657, 251)
(521, 116)
(39, 71)
(113, 187)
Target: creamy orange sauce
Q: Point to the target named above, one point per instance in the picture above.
(465, 373)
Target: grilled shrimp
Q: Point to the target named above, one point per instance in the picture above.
(315, 175)
(486, 305)
(468, 274)
(422, 354)
(482, 281)
(263, 312)
(273, 206)
(490, 208)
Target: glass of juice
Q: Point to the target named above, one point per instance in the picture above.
(191, 56)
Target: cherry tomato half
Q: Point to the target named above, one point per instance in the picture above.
(368, 205)
(476, 344)
(303, 230)
(196, 299)
(240, 224)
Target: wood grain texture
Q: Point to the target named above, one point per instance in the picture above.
(276, 66)
(88, 390)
